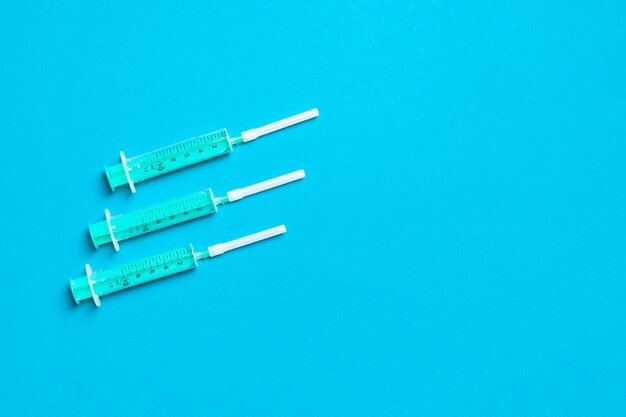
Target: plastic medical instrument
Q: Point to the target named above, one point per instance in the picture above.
(191, 151)
(95, 284)
(125, 226)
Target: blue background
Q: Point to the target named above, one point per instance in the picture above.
(457, 247)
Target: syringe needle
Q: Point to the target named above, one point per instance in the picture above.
(239, 193)
(252, 134)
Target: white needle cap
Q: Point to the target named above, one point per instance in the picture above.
(240, 193)
(252, 134)
(220, 248)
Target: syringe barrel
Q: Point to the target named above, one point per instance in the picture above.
(139, 222)
(168, 159)
(106, 281)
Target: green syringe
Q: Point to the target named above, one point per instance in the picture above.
(125, 226)
(191, 151)
(95, 284)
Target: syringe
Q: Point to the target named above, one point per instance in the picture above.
(140, 168)
(95, 284)
(125, 226)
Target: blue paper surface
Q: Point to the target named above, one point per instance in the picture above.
(456, 249)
